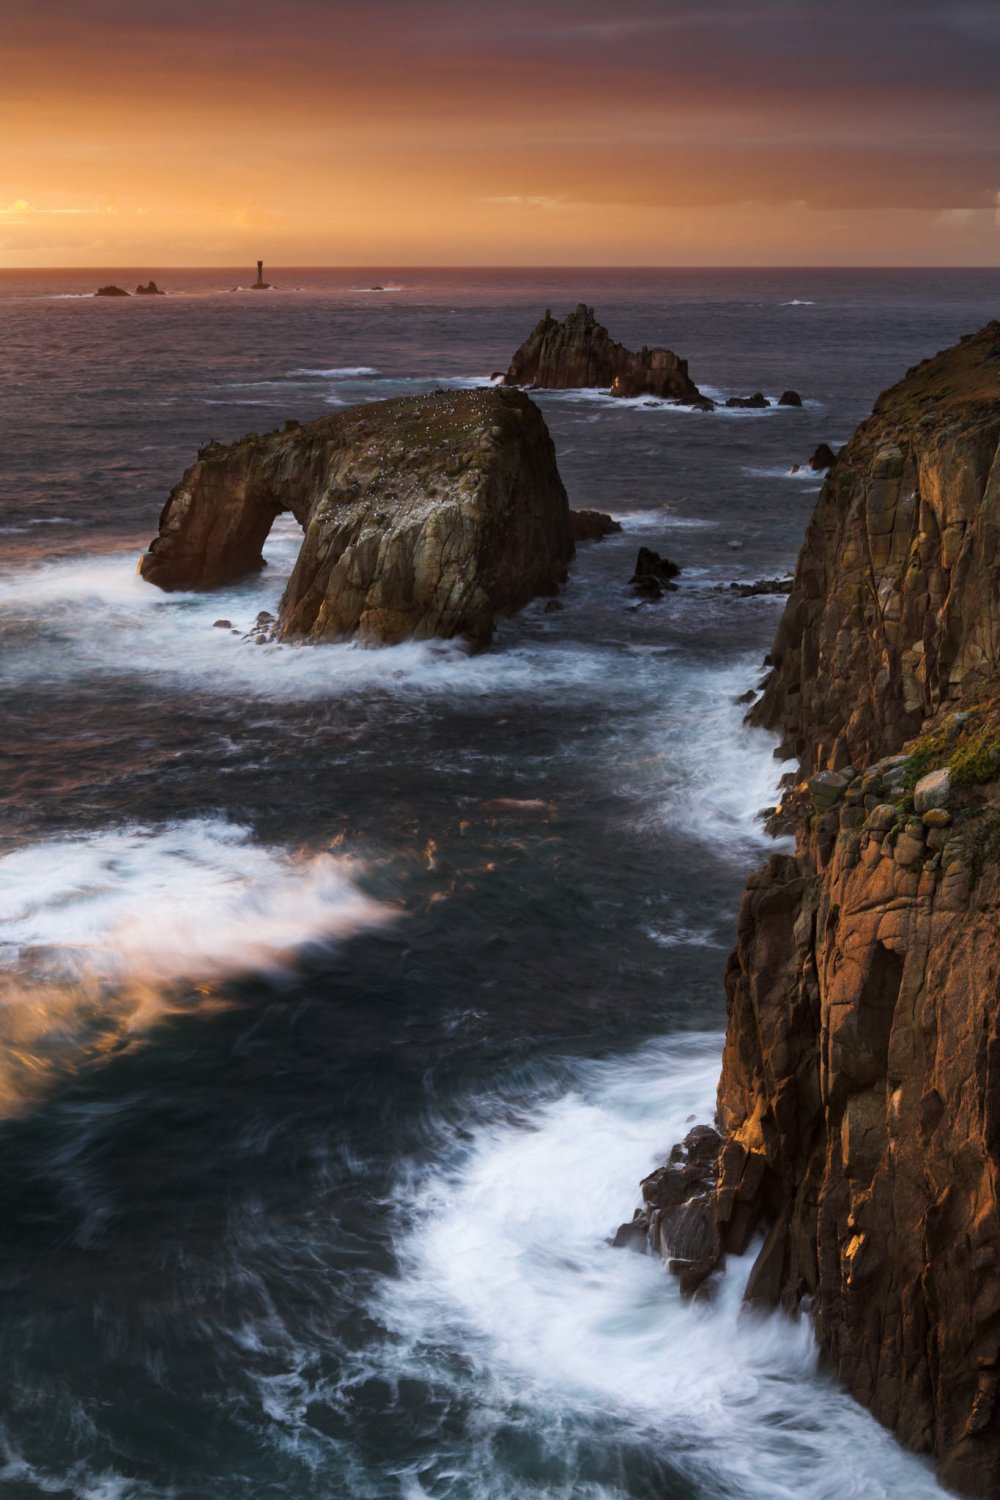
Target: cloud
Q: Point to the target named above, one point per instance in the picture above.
(20, 211)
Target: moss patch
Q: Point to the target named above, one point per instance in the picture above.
(967, 743)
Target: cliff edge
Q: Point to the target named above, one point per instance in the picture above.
(423, 516)
(859, 1102)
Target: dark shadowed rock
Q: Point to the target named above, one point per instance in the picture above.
(649, 564)
(756, 402)
(591, 525)
(111, 291)
(762, 586)
(789, 398)
(579, 352)
(425, 516)
(681, 1208)
(823, 458)
(149, 290)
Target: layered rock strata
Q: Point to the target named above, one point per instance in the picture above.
(579, 352)
(859, 1102)
(425, 516)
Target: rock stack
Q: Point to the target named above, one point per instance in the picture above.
(424, 516)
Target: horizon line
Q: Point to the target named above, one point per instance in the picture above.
(519, 266)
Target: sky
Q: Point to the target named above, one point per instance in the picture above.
(499, 132)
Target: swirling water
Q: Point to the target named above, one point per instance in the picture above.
(346, 995)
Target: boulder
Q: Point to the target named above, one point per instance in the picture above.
(932, 790)
(111, 291)
(424, 516)
(579, 352)
(789, 398)
(149, 290)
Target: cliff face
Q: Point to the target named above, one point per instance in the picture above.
(895, 611)
(860, 1095)
(579, 352)
(427, 516)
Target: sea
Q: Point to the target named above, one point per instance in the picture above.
(347, 995)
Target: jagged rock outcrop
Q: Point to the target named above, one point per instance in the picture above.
(860, 1094)
(149, 290)
(592, 525)
(425, 516)
(896, 609)
(111, 291)
(579, 352)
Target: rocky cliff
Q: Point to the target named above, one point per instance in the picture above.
(425, 516)
(579, 352)
(860, 1096)
(859, 1104)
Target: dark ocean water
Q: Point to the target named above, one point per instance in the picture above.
(347, 995)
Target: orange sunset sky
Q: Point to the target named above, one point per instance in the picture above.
(204, 132)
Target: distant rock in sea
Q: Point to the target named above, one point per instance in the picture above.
(111, 291)
(149, 290)
(422, 516)
(757, 402)
(579, 352)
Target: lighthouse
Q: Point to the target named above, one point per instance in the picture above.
(260, 285)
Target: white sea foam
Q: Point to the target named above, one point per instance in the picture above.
(802, 474)
(510, 1290)
(97, 931)
(660, 520)
(95, 616)
(338, 372)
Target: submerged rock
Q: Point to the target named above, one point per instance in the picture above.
(424, 516)
(579, 352)
(762, 586)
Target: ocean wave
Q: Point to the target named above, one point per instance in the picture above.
(98, 931)
(660, 520)
(338, 372)
(510, 1293)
